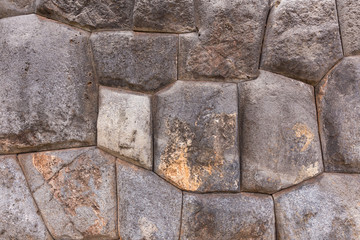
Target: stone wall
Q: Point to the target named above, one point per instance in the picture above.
(179, 119)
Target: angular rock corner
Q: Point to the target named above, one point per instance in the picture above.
(179, 119)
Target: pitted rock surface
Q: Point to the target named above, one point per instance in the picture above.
(149, 207)
(48, 94)
(125, 125)
(10, 8)
(279, 141)
(228, 216)
(138, 61)
(19, 218)
(196, 136)
(325, 208)
(228, 43)
(75, 191)
(302, 39)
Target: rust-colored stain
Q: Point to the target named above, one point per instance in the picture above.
(45, 164)
(303, 130)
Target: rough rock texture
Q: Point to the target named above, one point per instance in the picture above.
(349, 17)
(18, 214)
(196, 145)
(327, 208)
(228, 216)
(228, 43)
(125, 125)
(280, 143)
(164, 16)
(149, 207)
(302, 39)
(138, 61)
(90, 14)
(338, 105)
(48, 94)
(10, 8)
(75, 191)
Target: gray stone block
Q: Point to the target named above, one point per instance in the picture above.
(10, 8)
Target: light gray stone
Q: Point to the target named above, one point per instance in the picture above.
(75, 191)
(10, 8)
(125, 126)
(19, 218)
(138, 61)
(325, 208)
(149, 207)
(228, 216)
(196, 136)
(228, 43)
(48, 94)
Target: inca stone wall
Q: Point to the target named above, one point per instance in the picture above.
(179, 119)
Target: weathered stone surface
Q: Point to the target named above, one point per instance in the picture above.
(327, 208)
(228, 43)
(149, 207)
(280, 141)
(164, 15)
(349, 17)
(75, 191)
(48, 95)
(228, 216)
(90, 14)
(196, 145)
(138, 61)
(125, 125)
(302, 39)
(18, 214)
(10, 8)
(338, 106)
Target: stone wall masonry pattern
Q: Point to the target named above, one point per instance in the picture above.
(179, 119)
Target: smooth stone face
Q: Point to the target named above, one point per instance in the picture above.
(280, 141)
(302, 39)
(18, 214)
(164, 16)
(228, 43)
(90, 14)
(48, 94)
(125, 125)
(10, 8)
(228, 216)
(149, 207)
(75, 191)
(137, 61)
(325, 208)
(196, 145)
(338, 106)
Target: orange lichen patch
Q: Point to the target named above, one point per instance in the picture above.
(303, 130)
(45, 164)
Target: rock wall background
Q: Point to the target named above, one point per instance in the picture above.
(179, 119)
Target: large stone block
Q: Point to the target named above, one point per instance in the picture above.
(75, 191)
(228, 216)
(196, 136)
(338, 106)
(228, 43)
(138, 61)
(149, 207)
(279, 141)
(125, 125)
(325, 208)
(19, 218)
(10, 8)
(48, 95)
(302, 39)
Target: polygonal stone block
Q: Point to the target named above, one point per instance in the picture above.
(280, 143)
(48, 94)
(338, 103)
(125, 125)
(10, 8)
(196, 136)
(149, 207)
(228, 216)
(75, 191)
(228, 43)
(302, 39)
(325, 208)
(19, 218)
(138, 61)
